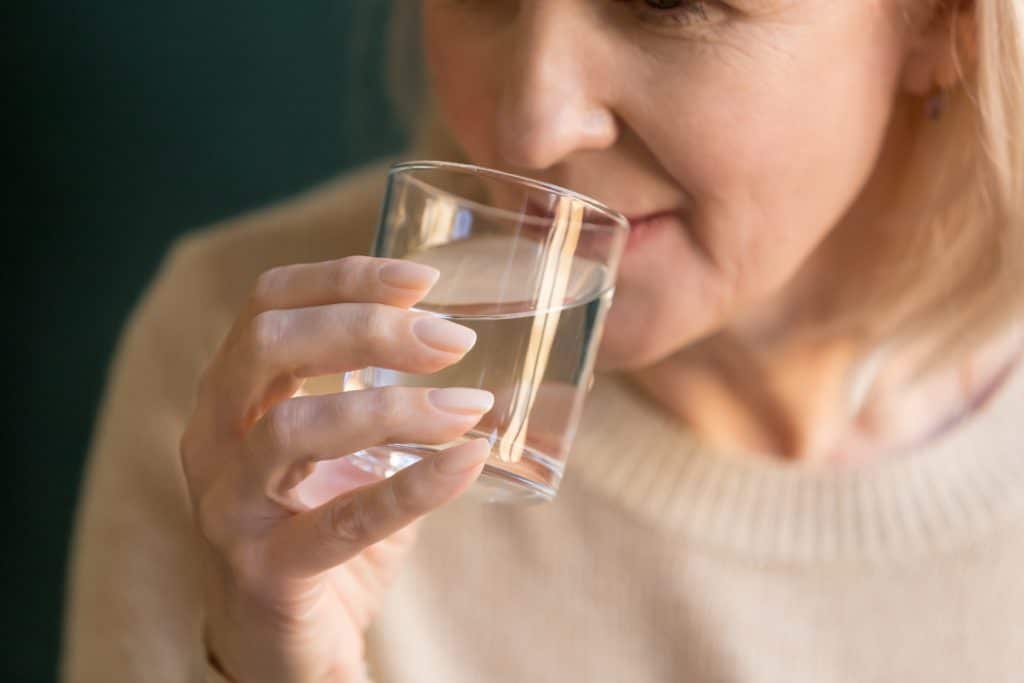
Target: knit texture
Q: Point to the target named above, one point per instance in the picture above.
(660, 560)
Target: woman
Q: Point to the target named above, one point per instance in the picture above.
(800, 461)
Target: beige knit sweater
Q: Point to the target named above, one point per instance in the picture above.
(659, 561)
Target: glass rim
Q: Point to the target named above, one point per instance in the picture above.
(620, 222)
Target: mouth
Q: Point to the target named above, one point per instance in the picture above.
(643, 228)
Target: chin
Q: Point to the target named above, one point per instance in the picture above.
(609, 361)
(629, 343)
(640, 332)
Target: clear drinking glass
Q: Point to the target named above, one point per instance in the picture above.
(531, 268)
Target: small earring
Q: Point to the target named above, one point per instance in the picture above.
(935, 105)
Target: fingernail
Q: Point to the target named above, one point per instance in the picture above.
(463, 457)
(444, 335)
(408, 275)
(461, 401)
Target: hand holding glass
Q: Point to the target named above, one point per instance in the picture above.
(530, 267)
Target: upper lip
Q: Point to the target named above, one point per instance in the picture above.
(640, 218)
(637, 217)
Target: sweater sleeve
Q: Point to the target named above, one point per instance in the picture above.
(134, 591)
(135, 584)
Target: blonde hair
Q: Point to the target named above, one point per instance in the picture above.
(955, 276)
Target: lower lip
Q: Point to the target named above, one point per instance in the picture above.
(644, 229)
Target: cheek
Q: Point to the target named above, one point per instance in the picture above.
(772, 150)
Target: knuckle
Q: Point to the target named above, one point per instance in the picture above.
(339, 278)
(346, 521)
(266, 286)
(375, 327)
(410, 495)
(354, 261)
(383, 405)
(277, 430)
(266, 331)
(337, 409)
(347, 272)
(311, 411)
(218, 524)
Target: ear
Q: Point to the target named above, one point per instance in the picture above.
(944, 49)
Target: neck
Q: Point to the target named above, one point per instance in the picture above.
(821, 400)
(787, 398)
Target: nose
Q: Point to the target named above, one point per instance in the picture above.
(552, 102)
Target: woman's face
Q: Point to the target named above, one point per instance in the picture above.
(734, 134)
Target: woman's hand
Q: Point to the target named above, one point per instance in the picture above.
(297, 571)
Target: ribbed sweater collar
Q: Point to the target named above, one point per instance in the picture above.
(933, 499)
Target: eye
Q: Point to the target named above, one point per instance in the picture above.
(666, 4)
(675, 12)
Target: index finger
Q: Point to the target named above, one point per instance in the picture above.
(350, 279)
(368, 279)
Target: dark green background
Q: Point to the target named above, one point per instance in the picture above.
(134, 122)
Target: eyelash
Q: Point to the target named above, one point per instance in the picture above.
(687, 13)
